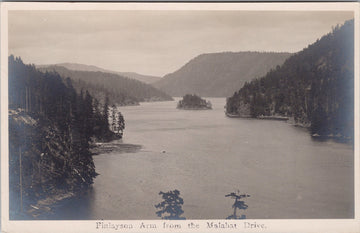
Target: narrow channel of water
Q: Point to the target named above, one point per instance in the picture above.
(206, 155)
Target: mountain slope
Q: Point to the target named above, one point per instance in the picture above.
(81, 67)
(77, 66)
(120, 90)
(219, 74)
(50, 130)
(149, 79)
(314, 86)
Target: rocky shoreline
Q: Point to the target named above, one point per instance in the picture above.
(45, 207)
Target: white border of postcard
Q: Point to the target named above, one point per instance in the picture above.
(261, 225)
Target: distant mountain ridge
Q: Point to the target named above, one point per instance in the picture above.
(149, 79)
(82, 67)
(120, 90)
(219, 74)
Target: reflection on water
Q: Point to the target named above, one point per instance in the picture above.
(333, 139)
(204, 154)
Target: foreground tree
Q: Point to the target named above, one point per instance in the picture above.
(171, 207)
(237, 204)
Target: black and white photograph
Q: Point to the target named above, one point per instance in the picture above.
(159, 114)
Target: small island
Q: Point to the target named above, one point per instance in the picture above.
(193, 102)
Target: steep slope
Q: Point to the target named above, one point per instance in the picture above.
(50, 129)
(314, 86)
(119, 89)
(219, 74)
(82, 67)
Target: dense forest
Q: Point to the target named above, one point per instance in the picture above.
(51, 127)
(219, 74)
(314, 86)
(193, 102)
(119, 89)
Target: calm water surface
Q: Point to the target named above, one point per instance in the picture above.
(206, 155)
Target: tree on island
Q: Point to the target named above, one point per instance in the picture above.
(171, 207)
(237, 204)
(193, 102)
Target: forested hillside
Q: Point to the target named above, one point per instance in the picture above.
(81, 67)
(149, 79)
(219, 74)
(119, 89)
(50, 130)
(315, 87)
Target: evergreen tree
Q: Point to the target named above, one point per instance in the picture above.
(50, 129)
(120, 124)
(171, 207)
(89, 116)
(113, 118)
(106, 114)
(238, 204)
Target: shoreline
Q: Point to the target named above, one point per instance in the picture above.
(118, 146)
(45, 208)
(290, 121)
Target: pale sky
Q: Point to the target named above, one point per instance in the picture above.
(159, 42)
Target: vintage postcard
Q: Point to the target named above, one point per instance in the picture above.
(180, 117)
